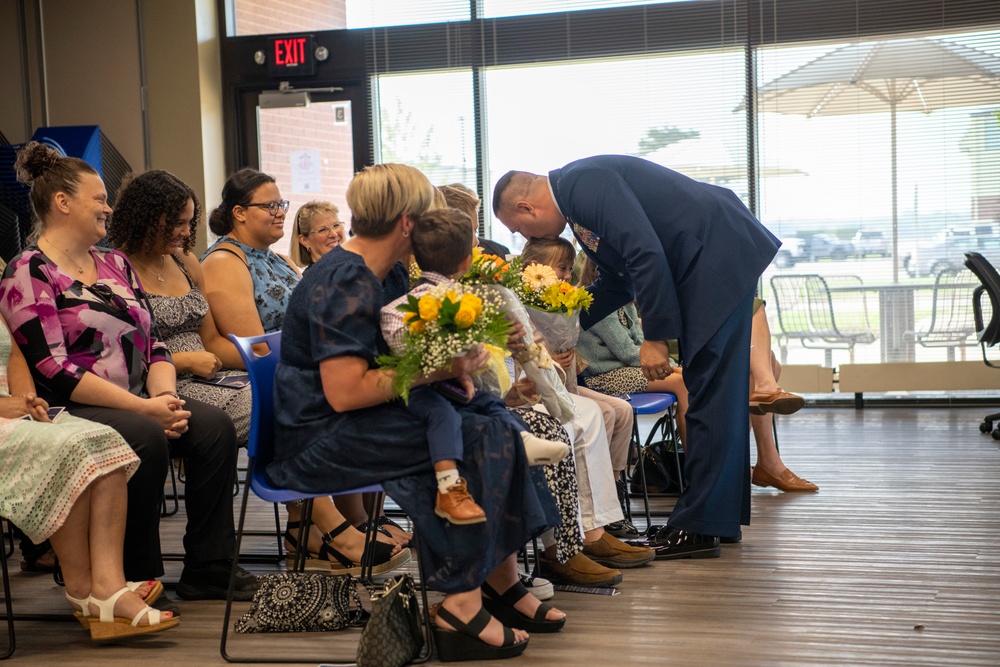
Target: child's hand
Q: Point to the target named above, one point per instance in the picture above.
(515, 339)
(564, 359)
(465, 380)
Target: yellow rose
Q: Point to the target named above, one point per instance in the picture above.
(472, 301)
(429, 307)
(465, 316)
(416, 326)
(410, 317)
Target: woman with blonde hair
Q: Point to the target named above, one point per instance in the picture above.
(339, 424)
(316, 231)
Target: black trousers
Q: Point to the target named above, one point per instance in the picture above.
(209, 452)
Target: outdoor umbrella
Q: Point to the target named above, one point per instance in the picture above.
(710, 160)
(901, 75)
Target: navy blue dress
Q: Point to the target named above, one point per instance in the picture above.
(333, 312)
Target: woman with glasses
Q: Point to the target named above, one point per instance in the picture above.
(317, 231)
(247, 286)
(76, 311)
(154, 225)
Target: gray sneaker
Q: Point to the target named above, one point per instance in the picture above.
(540, 588)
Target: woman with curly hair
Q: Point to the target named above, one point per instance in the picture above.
(154, 225)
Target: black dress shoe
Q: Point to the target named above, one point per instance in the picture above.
(210, 581)
(671, 543)
(624, 530)
(732, 540)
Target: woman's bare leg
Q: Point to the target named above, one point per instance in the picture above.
(89, 545)
(326, 517)
(674, 384)
(763, 381)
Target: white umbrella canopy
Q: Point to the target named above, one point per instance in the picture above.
(710, 160)
(888, 76)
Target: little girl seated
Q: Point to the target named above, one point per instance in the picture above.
(442, 242)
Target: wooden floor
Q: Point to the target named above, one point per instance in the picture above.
(896, 561)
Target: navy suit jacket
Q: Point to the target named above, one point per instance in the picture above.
(686, 251)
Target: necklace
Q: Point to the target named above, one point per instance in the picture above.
(158, 274)
(65, 254)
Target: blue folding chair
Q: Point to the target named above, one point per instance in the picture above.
(653, 404)
(260, 453)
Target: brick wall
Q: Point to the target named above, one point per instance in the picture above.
(283, 131)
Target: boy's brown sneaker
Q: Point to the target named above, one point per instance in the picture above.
(457, 505)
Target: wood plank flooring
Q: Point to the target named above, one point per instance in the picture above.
(894, 562)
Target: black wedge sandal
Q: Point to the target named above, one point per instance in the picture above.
(463, 643)
(502, 606)
(330, 560)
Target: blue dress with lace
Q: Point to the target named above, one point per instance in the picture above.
(273, 281)
(334, 312)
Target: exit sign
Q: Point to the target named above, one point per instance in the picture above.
(291, 56)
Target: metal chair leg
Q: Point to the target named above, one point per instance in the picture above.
(6, 598)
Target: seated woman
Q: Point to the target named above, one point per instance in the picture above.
(601, 450)
(338, 426)
(154, 224)
(317, 230)
(75, 311)
(247, 286)
(612, 347)
(65, 482)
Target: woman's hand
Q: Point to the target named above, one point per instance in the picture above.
(515, 339)
(15, 407)
(169, 413)
(565, 358)
(202, 363)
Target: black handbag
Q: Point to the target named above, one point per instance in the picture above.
(660, 467)
(392, 636)
(303, 602)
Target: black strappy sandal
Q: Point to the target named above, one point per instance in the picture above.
(330, 560)
(502, 606)
(463, 643)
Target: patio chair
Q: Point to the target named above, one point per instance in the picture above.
(987, 332)
(260, 452)
(806, 312)
(951, 323)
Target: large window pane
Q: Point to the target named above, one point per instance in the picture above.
(497, 8)
(897, 177)
(676, 110)
(426, 120)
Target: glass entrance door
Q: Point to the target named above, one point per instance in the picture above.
(310, 150)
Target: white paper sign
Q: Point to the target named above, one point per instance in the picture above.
(307, 172)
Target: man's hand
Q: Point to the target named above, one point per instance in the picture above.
(654, 356)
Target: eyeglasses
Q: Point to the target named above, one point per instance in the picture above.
(107, 294)
(272, 206)
(326, 230)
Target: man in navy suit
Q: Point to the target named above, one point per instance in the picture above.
(690, 254)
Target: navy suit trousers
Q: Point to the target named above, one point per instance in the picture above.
(717, 462)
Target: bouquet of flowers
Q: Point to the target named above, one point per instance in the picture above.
(503, 279)
(554, 305)
(442, 324)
